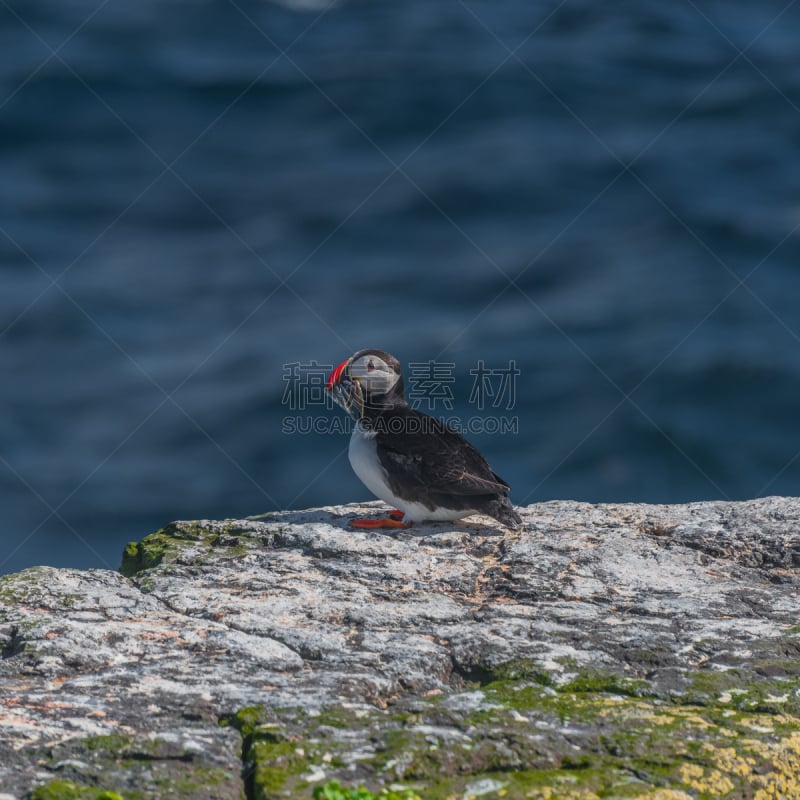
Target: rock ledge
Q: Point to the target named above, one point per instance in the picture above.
(603, 650)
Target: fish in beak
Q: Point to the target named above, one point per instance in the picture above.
(346, 390)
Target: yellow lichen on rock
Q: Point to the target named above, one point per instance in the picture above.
(551, 793)
(708, 781)
(731, 762)
(783, 783)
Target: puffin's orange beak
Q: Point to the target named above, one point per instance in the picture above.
(336, 375)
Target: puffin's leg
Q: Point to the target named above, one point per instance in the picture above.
(395, 513)
(384, 522)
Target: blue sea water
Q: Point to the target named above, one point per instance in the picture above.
(204, 204)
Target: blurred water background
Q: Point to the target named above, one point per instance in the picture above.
(195, 196)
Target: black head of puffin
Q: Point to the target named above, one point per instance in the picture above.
(371, 379)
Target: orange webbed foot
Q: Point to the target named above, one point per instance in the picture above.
(383, 522)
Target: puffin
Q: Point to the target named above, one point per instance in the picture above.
(414, 462)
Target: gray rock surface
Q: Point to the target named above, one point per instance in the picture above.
(260, 658)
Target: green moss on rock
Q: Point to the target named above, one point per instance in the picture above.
(167, 544)
(113, 744)
(253, 721)
(139, 556)
(521, 669)
(141, 768)
(335, 791)
(277, 767)
(597, 681)
(163, 544)
(67, 790)
(598, 736)
(274, 759)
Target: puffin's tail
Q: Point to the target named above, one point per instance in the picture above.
(500, 508)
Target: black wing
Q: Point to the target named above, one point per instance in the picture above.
(418, 450)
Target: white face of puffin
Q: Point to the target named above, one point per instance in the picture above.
(368, 374)
(375, 375)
